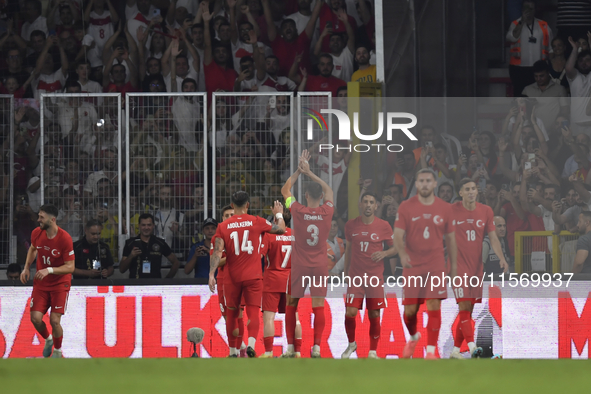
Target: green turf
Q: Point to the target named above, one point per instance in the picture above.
(171, 376)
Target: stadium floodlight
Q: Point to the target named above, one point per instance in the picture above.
(195, 336)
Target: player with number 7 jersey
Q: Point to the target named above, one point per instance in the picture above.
(241, 236)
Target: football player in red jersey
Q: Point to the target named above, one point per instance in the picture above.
(241, 235)
(473, 222)
(311, 226)
(54, 250)
(425, 220)
(364, 257)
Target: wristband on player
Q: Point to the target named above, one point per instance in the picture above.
(50, 270)
(278, 216)
(289, 201)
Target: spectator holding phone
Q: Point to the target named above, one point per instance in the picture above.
(198, 258)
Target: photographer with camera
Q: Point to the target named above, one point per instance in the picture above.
(93, 257)
(198, 258)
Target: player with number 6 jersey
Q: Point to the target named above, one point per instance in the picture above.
(421, 224)
(241, 235)
(364, 258)
(54, 250)
(311, 225)
(473, 222)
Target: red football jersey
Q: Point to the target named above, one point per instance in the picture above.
(471, 227)
(366, 239)
(220, 275)
(242, 235)
(425, 226)
(277, 252)
(310, 229)
(52, 253)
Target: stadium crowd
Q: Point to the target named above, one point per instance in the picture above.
(534, 173)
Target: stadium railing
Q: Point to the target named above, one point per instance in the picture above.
(544, 251)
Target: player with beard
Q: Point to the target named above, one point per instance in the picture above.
(366, 71)
(364, 257)
(241, 235)
(424, 219)
(578, 67)
(54, 250)
(473, 221)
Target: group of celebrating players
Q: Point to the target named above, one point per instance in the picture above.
(422, 224)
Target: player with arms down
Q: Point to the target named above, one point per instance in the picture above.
(425, 220)
(473, 222)
(54, 250)
(364, 256)
(311, 227)
(243, 276)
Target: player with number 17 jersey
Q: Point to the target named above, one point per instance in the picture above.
(312, 226)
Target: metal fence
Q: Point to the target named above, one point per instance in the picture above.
(167, 166)
(252, 140)
(80, 165)
(12, 172)
(544, 251)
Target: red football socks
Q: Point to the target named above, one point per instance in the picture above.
(268, 344)
(290, 323)
(319, 323)
(411, 324)
(374, 333)
(253, 313)
(465, 325)
(57, 342)
(44, 332)
(350, 324)
(459, 335)
(240, 324)
(433, 326)
(231, 317)
(297, 345)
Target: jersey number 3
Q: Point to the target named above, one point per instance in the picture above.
(313, 230)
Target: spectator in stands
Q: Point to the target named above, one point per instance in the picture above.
(47, 79)
(557, 62)
(218, 76)
(118, 74)
(428, 134)
(302, 17)
(72, 220)
(530, 38)
(570, 216)
(330, 16)
(33, 19)
(99, 15)
(366, 71)
(83, 70)
(38, 39)
(141, 13)
(551, 96)
(25, 221)
(77, 120)
(341, 50)
(13, 272)
(198, 258)
(34, 186)
(325, 82)
(181, 65)
(240, 35)
(93, 257)
(335, 250)
(489, 257)
(197, 38)
(445, 191)
(108, 170)
(71, 178)
(582, 262)
(539, 205)
(513, 214)
(290, 42)
(579, 147)
(15, 68)
(403, 172)
(142, 255)
(168, 220)
(577, 69)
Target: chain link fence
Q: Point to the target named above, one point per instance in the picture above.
(252, 140)
(11, 171)
(167, 162)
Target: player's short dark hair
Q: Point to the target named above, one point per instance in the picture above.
(541, 66)
(188, 80)
(371, 194)
(146, 216)
(426, 171)
(49, 209)
(224, 209)
(92, 223)
(240, 198)
(13, 268)
(314, 190)
(463, 182)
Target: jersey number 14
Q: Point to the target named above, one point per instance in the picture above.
(246, 243)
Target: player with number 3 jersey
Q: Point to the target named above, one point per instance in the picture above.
(424, 220)
(243, 276)
(473, 222)
(311, 225)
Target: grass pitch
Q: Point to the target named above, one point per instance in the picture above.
(171, 376)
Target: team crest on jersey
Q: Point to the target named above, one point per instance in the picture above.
(374, 237)
(479, 223)
(437, 219)
(156, 248)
